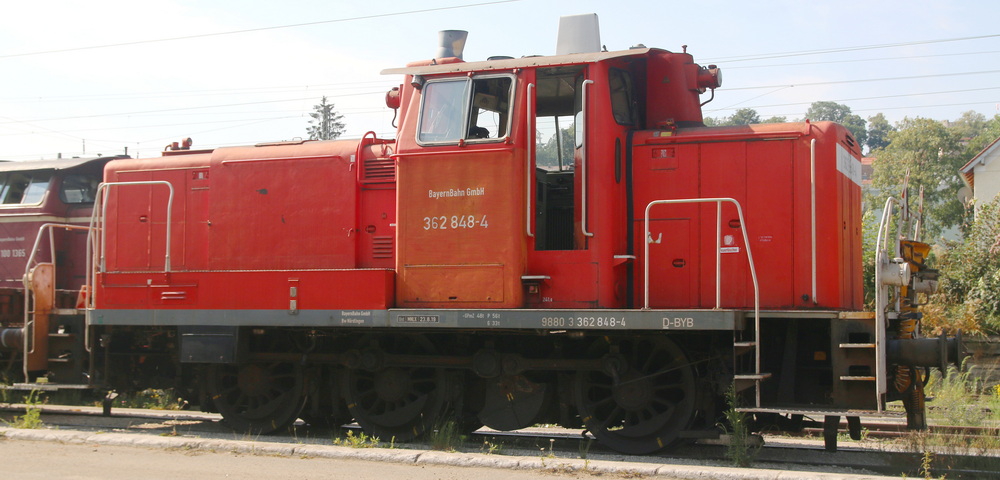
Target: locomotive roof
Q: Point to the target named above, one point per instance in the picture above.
(57, 164)
(523, 62)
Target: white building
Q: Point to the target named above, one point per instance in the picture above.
(982, 173)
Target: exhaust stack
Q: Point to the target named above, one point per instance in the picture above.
(578, 34)
(451, 43)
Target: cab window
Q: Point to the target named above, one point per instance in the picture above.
(78, 189)
(25, 188)
(620, 83)
(464, 109)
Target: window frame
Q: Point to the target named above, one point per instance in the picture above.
(467, 113)
(33, 179)
(91, 193)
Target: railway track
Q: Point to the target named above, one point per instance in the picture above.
(555, 445)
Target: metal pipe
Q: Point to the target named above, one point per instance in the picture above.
(718, 255)
(12, 339)
(529, 134)
(812, 206)
(583, 159)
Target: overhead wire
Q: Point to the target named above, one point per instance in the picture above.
(259, 29)
(856, 48)
(263, 90)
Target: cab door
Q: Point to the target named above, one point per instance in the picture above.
(460, 232)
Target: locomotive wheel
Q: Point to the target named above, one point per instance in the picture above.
(325, 408)
(645, 403)
(397, 402)
(257, 398)
(511, 402)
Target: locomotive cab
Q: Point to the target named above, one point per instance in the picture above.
(46, 210)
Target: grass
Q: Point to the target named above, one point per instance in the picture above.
(446, 436)
(961, 398)
(741, 450)
(360, 440)
(151, 399)
(32, 417)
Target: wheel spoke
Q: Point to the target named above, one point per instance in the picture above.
(252, 399)
(648, 407)
(398, 401)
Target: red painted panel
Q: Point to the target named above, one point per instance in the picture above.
(723, 175)
(668, 172)
(282, 212)
(315, 290)
(458, 214)
(377, 236)
(767, 169)
(769, 217)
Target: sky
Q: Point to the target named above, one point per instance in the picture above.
(110, 76)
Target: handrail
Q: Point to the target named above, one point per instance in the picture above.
(882, 296)
(101, 194)
(718, 262)
(812, 213)
(530, 136)
(29, 321)
(97, 223)
(583, 159)
(718, 280)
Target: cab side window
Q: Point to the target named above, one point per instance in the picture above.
(620, 83)
(441, 115)
(25, 188)
(464, 109)
(78, 189)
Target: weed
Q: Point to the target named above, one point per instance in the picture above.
(551, 453)
(926, 465)
(446, 436)
(741, 451)
(584, 447)
(6, 396)
(360, 440)
(151, 399)
(32, 417)
(491, 448)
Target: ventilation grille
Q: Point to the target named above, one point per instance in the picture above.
(380, 170)
(382, 247)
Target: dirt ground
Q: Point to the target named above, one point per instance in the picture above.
(51, 460)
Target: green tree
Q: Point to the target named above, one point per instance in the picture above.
(878, 132)
(840, 113)
(932, 154)
(980, 134)
(969, 126)
(326, 123)
(969, 293)
(744, 116)
(548, 154)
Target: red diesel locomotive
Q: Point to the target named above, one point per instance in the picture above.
(554, 239)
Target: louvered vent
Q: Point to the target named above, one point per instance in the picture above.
(380, 170)
(382, 246)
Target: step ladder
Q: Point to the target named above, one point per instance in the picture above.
(855, 361)
(747, 362)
